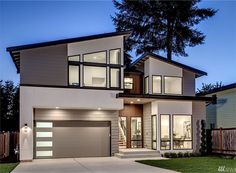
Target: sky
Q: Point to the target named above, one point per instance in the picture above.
(27, 22)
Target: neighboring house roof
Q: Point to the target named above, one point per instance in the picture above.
(144, 57)
(223, 88)
(15, 54)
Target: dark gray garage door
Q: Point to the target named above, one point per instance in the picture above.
(58, 139)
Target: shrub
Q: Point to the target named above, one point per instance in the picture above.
(173, 155)
(180, 154)
(167, 155)
(186, 154)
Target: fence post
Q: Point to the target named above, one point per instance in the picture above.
(221, 142)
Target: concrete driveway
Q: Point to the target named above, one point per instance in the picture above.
(87, 165)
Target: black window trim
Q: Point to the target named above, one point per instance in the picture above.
(191, 131)
(93, 53)
(165, 84)
(169, 132)
(119, 58)
(145, 85)
(155, 130)
(160, 84)
(110, 77)
(131, 83)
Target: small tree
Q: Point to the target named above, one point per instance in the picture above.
(209, 87)
(203, 148)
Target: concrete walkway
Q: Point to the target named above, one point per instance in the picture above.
(87, 165)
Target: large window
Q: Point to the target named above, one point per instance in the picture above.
(98, 57)
(173, 85)
(95, 76)
(115, 56)
(115, 77)
(129, 83)
(73, 75)
(146, 85)
(156, 84)
(165, 132)
(182, 131)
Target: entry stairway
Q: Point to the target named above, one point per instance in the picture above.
(137, 153)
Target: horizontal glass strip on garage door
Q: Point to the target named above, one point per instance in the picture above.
(44, 124)
(43, 153)
(44, 144)
(43, 134)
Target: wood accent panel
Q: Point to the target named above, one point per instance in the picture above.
(137, 83)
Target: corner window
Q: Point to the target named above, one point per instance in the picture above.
(114, 77)
(165, 132)
(129, 83)
(115, 56)
(75, 58)
(173, 85)
(182, 131)
(94, 76)
(98, 57)
(73, 75)
(146, 85)
(156, 84)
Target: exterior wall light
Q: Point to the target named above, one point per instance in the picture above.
(26, 128)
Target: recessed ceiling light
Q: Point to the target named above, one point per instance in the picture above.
(99, 109)
(138, 100)
(57, 107)
(95, 57)
(131, 102)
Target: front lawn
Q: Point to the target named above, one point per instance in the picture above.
(7, 167)
(195, 164)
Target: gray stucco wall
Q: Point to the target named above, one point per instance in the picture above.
(188, 83)
(49, 114)
(44, 66)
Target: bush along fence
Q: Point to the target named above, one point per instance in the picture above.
(9, 143)
(222, 141)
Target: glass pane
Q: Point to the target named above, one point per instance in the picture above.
(115, 77)
(44, 124)
(115, 56)
(128, 83)
(173, 85)
(99, 57)
(73, 75)
(94, 76)
(43, 134)
(182, 131)
(122, 132)
(43, 153)
(154, 128)
(44, 144)
(165, 132)
(136, 132)
(146, 86)
(74, 58)
(154, 145)
(156, 84)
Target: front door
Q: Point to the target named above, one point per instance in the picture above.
(130, 132)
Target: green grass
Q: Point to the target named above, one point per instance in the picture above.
(194, 164)
(7, 167)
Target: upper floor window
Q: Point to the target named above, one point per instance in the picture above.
(115, 77)
(95, 76)
(156, 84)
(146, 85)
(173, 85)
(129, 83)
(74, 75)
(115, 56)
(75, 58)
(98, 57)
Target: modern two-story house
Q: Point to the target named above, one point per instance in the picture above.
(78, 99)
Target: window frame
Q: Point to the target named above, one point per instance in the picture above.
(73, 63)
(98, 63)
(119, 58)
(147, 77)
(153, 130)
(132, 83)
(160, 84)
(90, 65)
(164, 83)
(170, 140)
(191, 132)
(119, 86)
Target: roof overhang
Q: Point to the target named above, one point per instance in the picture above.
(15, 51)
(140, 61)
(146, 98)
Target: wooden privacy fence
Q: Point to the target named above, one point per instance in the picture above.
(224, 141)
(8, 142)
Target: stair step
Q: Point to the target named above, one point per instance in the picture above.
(120, 155)
(139, 152)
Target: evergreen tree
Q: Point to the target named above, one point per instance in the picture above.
(203, 149)
(168, 26)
